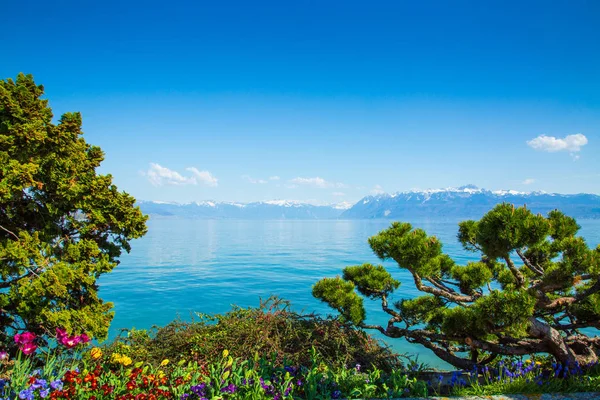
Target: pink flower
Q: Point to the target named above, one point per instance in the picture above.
(71, 341)
(24, 338)
(84, 338)
(3, 355)
(60, 334)
(28, 348)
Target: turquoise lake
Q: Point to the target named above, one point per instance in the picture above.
(184, 266)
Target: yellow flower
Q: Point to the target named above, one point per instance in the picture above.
(116, 357)
(160, 374)
(96, 353)
(225, 353)
(164, 362)
(538, 363)
(527, 361)
(126, 360)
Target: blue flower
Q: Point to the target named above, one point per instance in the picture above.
(56, 385)
(26, 394)
(39, 384)
(336, 394)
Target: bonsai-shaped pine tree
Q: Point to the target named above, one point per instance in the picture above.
(535, 287)
(62, 225)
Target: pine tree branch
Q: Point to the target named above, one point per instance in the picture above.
(440, 285)
(439, 292)
(577, 325)
(565, 301)
(534, 268)
(10, 232)
(384, 307)
(508, 350)
(515, 271)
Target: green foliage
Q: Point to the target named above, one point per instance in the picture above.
(271, 330)
(62, 225)
(340, 295)
(423, 309)
(409, 248)
(472, 276)
(588, 309)
(371, 281)
(507, 228)
(534, 287)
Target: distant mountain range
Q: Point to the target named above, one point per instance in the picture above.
(464, 202)
(274, 209)
(468, 202)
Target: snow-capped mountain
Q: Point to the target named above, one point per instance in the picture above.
(468, 202)
(463, 202)
(272, 209)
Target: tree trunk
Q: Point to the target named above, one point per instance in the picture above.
(585, 352)
(557, 345)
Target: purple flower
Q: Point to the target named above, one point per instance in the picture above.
(198, 390)
(56, 385)
(44, 393)
(336, 394)
(231, 388)
(26, 394)
(39, 384)
(291, 370)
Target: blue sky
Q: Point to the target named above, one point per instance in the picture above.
(321, 101)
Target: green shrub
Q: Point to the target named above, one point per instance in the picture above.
(271, 330)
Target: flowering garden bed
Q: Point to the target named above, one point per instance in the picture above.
(72, 369)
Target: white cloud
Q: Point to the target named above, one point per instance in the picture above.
(338, 194)
(159, 176)
(528, 181)
(377, 190)
(203, 176)
(249, 179)
(570, 143)
(274, 178)
(317, 182)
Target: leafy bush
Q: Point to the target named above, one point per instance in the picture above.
(271, 330)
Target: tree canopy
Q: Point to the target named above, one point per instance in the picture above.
(62, 225)
(533, 289)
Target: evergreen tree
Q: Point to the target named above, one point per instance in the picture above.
(62, 225)
(535, 287)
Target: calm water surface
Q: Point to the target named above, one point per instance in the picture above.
(184, 266)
